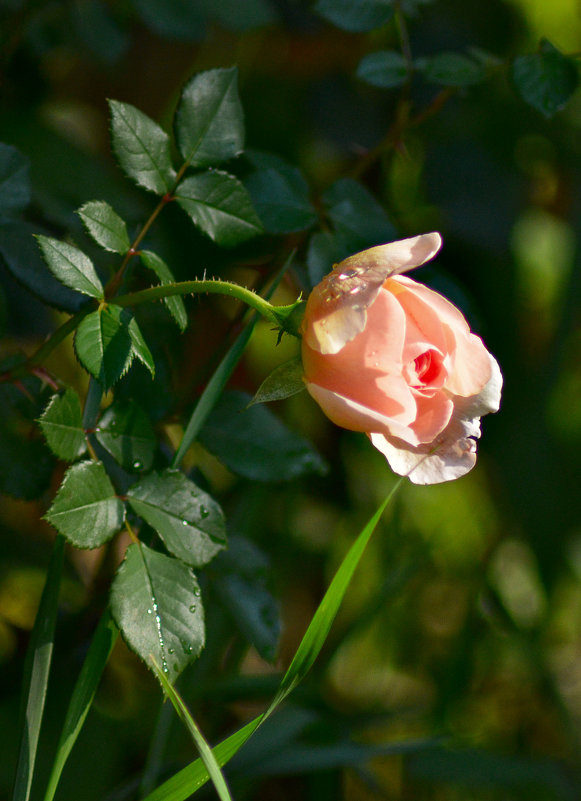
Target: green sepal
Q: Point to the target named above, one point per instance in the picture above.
(290, 317)
(284, 381)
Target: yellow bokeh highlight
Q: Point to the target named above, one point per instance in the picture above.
(558, 20)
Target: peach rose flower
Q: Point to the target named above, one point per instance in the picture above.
(385, 355)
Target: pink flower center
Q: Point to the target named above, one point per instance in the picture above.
(426, 371)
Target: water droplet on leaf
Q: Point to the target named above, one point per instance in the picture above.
(204, 512)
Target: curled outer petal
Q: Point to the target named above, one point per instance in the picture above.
(453, 453)
(337, 307)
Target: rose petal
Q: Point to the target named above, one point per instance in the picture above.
(368, 367)
(337, 307)
(470, 368)
(349, 414)
(433, 415)
(455, 453)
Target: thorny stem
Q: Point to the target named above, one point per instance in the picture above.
(247, 296)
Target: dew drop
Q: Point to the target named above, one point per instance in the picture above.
(187, 648)
(185, 523)
(137, 465)
(150, 611)
(204, 512)
(197, 592)
(192, 607)
(171, 650)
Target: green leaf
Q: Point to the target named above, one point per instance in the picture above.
(187, 519)
(22, 257)
(155, 601)
(139, 346)
(453, 69)
(240, 583)
(206, 753)
(104, 344)
(220, 205)
(142, 148)
(281, 198)
(71, 266)
(36, 673)
(255, 444)
(209, 120)
(385, 68)
(284, 381)
(14, 180)
(175, 304)
(356, 16)
(86, 510)
(62, 426)
(125, 432)
(191, 778)
(358, 218)
(545, 80)
(84, 691)
(105, 226)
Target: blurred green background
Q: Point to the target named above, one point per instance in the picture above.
(454, 670)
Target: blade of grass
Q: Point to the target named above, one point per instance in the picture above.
(191, 778)
(36, 672)
(206, 754)
(216, 384)
(98, 654)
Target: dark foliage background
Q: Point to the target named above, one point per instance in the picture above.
(461, 636)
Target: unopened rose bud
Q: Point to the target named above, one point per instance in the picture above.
(388, 356)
